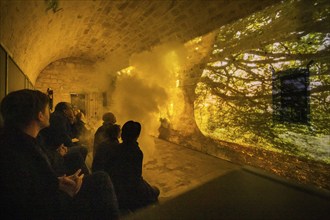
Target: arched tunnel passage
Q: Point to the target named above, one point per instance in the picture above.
(198, 75)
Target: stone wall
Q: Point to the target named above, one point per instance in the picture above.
(114, 30)
(75, 76)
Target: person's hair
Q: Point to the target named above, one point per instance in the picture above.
(113, 132)
(61, 106)
(21, 107)
(130, 131)
(109, 117)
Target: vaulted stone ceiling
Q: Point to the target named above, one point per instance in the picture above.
(37, 33)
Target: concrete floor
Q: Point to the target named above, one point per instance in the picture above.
(219, 189)
(247, 193)
(175, 169)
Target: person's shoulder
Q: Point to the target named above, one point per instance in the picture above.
(99, 129)
(129, 147)
(135, 145)
(10, 151)
(117, 147)
(8, 140)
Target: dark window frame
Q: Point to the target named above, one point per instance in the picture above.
(291, 96)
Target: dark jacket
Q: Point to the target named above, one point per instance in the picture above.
(103, 154)
(100, 136)
(29, 187)
(125, 169)
(59, 132)
(79, 129)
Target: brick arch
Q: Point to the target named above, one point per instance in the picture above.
(65, 76)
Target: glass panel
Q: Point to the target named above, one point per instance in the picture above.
(16, 78)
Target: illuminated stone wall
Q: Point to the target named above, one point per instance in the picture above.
(75, 76)
(36, 34)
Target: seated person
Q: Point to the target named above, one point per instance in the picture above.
(100, 136)
(30, 187)
(60, 130)
(124, 166)
(104, 150)
(63, 161)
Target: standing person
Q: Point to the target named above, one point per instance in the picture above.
(100, 136)
(125, 169)
(80, 130)
(29, 187)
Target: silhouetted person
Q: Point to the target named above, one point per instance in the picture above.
(104, 150)
(80, 130)
(29, 187)
(60, 132)
(164, 129)
(60, 125)
(100, 136)
(125, 169)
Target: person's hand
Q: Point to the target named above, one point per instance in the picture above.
(77, 178)
(62, 150)
(71, 184)
(75, 140)
(67, 185)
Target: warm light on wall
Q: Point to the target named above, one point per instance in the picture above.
(171, 109)
(177, 83)
(127, 71)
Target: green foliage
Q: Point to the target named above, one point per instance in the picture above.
(234, 97)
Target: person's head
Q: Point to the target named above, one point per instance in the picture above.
(131, 131)
(20, 108)
(113, 132)
(109, 118)
(66, 109)
(63, 107)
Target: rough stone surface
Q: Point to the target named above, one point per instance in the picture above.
(112, 30)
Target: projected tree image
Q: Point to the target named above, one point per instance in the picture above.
(235, 95)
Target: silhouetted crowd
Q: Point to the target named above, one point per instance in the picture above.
(43, 169)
